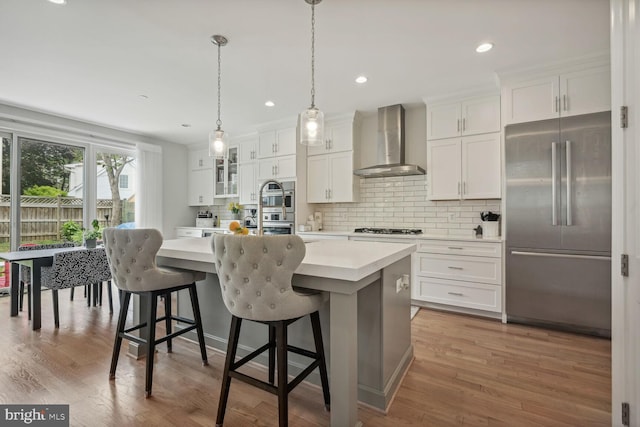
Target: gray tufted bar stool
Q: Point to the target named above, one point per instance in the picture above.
(132, 259)
(255, 275)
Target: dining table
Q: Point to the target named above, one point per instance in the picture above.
(36, 259)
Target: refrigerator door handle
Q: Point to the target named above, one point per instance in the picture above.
(554, 179)
(553, 255)
(569, 175)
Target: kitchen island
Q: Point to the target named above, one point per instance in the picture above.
(367, 314)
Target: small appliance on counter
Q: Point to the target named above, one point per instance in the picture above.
(205, 219)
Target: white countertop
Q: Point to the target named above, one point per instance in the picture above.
(334, 259)
(399, 236)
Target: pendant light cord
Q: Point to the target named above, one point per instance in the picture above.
(219, 122)
(313, 54)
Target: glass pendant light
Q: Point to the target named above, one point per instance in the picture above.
(311, 126)
(218, 146)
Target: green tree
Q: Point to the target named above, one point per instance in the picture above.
(42, 164)
(44, 190)
(114, 165)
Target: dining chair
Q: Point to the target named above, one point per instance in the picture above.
(25, 271)
(81, 267)
(255, 275)
(131, 254)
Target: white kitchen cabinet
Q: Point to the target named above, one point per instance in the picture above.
(200, 187)
(199, 159)
(226, 174)
(459, 274)
(248, 183)
(277, 168)
(247, 148)
(464, 168)
(200, 178)
(280, 142)
(338, 137)
(466, 117)
(330, 178)
(559, 95)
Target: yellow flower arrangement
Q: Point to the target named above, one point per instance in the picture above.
(234, 207)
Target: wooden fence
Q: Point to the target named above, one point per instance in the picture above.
(42, 217)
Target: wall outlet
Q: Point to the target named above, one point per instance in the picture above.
(399, 285)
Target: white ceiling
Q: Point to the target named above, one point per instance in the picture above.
(92, 59)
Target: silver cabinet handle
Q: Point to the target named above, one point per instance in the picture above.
(200, 198)
(326, 193)
(458, 294)
(568, 156)
(330, 195)
(455, 247)
(464, 124)
(464, 187)
(557, 104)
(458, 187)
(277, 147)
(451, 267)
(276, 166)
(564, 102)
(458, 125)
(554, 179)
(199, 162)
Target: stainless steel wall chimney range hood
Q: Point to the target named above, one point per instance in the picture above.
(390, 146)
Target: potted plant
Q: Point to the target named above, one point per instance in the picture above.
(235, 209)
(92, 235)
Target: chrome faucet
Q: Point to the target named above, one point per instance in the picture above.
(260, 205)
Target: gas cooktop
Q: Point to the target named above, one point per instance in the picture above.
(388, 230)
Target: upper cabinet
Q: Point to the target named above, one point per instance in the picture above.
(464, 168)
(226, 174)
(247, 148)
(200, 178)
(330, 166)
(465, 117)
(277, 168)
(338, 136)
(557, 95)
(279, 142)
(199, 159)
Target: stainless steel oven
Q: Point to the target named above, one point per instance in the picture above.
(274, 220)
(272, 196)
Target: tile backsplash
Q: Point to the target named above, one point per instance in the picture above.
(401, 202)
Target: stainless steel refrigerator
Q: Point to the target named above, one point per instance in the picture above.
(558, 223)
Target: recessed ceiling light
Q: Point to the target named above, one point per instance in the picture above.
(270, 103)
(185, 125)
(58, 1)
(361, 79)
(484, 47)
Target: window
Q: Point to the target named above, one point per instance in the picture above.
(124, 181)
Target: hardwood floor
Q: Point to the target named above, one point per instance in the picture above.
(467, 371)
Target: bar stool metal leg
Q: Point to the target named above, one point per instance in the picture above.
(281, 348)
(195, 305)
(151, 341)
(125, 297)
(232, 347)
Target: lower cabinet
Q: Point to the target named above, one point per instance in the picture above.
(459, 274)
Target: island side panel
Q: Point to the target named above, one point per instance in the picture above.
(370, 316)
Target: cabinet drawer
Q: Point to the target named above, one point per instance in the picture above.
(488, 249)
(465, 268)
(470, 295)
(188, 232)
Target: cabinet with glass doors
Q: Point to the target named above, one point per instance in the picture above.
(226, 174)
